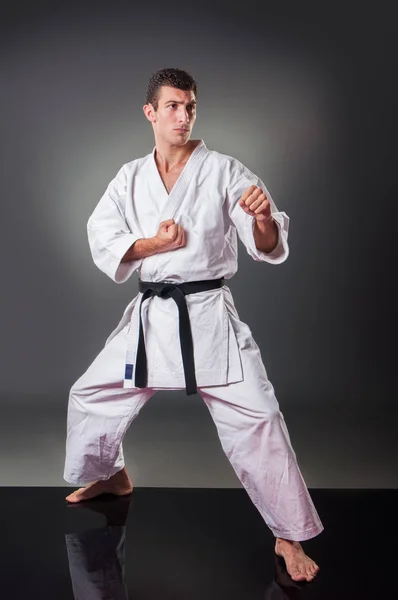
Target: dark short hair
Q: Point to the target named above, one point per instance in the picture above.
(175, 78)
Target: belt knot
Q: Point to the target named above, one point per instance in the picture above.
(166, 290)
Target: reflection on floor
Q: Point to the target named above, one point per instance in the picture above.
(188, 544)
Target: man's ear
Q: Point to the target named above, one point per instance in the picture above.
(149, 112)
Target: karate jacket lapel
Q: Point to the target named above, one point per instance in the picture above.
(178, 192)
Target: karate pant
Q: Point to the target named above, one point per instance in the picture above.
(250, 426)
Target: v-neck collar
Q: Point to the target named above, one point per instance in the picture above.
(192, 159)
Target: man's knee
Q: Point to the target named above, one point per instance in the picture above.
(269, 415)
(259, 417)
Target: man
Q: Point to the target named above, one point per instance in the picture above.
(174, 216)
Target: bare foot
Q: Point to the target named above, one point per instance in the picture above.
(119, 484)
(299, 566)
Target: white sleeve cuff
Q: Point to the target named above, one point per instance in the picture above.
(117, 270)
(281, 251)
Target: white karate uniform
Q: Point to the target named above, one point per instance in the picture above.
(229, 371)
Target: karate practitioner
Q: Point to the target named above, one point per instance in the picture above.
(174, 216)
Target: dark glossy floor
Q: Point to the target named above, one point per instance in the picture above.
(189, 544)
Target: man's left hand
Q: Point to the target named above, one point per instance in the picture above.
(256, 204)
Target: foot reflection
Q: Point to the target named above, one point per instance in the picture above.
(97, 556)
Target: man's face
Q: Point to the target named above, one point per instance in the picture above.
(175, 116)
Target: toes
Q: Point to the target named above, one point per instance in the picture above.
(74, 496)
(303, 572)
(311, 573)
(71, 498)
(297, 575)
(314, 568)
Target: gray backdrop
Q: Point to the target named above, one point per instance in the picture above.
(306, 98)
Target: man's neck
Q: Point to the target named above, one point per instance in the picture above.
(167, 157)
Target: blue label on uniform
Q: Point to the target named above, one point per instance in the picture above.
(129, 372)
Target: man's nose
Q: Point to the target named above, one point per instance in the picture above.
(184, 115)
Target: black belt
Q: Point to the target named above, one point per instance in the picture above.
(177, 291)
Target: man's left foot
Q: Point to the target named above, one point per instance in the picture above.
(299, 566)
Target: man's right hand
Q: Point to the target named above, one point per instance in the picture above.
(170, 236)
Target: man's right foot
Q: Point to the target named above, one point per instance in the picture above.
(119, 484)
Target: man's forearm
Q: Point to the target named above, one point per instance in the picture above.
(266, 236)
(141, 249)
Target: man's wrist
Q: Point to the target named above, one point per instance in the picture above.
(266, 235)
(266, 225)
(157, 245)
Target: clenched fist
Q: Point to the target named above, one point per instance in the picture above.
(170, 236)
(256, 204)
